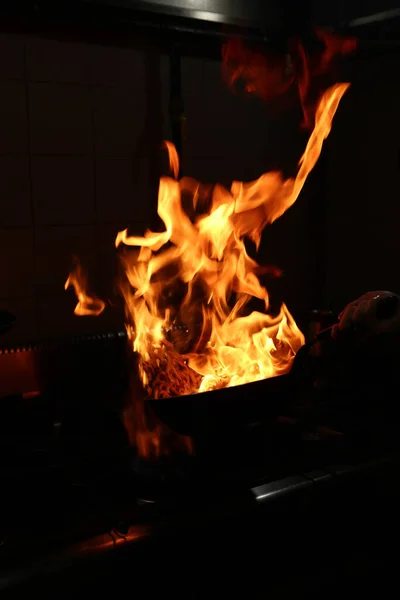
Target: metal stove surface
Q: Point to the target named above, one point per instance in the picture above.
(73, 487)
(75, 496)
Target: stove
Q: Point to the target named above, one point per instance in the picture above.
(79, 504)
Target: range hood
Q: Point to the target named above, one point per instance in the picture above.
(270, 14)
(372, 19)
(265, 16)
(232, 12)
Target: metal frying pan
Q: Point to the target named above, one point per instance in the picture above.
(251, 402)
(227, 407)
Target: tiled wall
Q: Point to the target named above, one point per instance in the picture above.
(80, 130)
(76, 152)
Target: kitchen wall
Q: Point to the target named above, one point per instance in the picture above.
(78, 135)
(80, 131)
(362, 186)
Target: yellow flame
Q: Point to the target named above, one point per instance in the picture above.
(205, 259)
(87, 305)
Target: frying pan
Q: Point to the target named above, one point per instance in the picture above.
(228, 408)
(231, 407)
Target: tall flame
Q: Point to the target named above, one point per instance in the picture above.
(186, 287)
(197, 275)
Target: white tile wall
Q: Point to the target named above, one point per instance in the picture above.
(122, 185)
(63, 190)
(13, 117)
(60, 119)
(12, 57)
(119, 125)
(75, 158)
(17, 275)
(15, 197)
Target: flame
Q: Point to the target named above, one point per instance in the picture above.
(87, 305)
(311, 71)
(150, 437)
(173, 158)
(187, 287)
(196, 276)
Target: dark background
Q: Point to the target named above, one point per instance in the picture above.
(80, 131)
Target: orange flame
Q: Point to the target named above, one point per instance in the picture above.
(173, 158)
(186, 287)
(197, 273)
(311, 70)
(150, 437)
(87, 305)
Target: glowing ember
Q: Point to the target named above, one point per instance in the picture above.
(197, 273)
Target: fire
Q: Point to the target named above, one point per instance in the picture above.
(187, 287)
(87, 305)
(196, 277)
